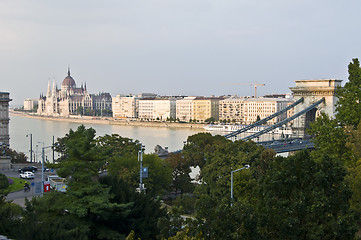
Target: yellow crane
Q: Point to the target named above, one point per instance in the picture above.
(250, 84)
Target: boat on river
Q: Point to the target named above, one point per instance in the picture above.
(233, 128)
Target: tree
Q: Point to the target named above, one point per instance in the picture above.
(10, 214)
(16, 157)
(198, 145)
(80, 110)
(216, 219)
(348, 106)
(329, 138)
(210, 120)
(93, 207)
(80, 159)
(336, 137)
(354, 177)
(181, 171)
(4, 184)
(143, 213)
(89, 112)
(300, 198)
(122, 161)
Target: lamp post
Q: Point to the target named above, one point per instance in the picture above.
(140, 159)
(245, 167)
(42, 166)
(36, 153)
(31, 146)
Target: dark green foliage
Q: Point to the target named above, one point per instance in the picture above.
(143, 213)
(80, 110)
(16, 157)
(180, 175)
(122, 161)
(198, 145)
(108, 208)
(216, 218)
(348, 106)
(330, 138)
(4, 184)
(186, 201)
(9, 217)
(299, 198)
(210, 120)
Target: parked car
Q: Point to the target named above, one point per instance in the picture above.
(27, 175)
(28, 169)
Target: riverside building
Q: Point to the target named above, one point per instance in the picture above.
(4, 117)
(125, 106)
(72, 100)
(248, 110)
(205, 108)
(158, 108)
(184, 109)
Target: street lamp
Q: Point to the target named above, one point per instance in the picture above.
(140, 159)
(36, 153)
(31, 146)
(245, 167)
(42, 166)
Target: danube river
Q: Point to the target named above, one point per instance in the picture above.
(43, 131)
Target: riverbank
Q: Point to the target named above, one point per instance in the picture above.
(109, 121)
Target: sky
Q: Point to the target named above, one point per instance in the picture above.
(175, 47)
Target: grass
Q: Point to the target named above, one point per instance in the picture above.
(17, 185)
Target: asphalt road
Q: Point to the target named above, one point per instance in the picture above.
(19, 196)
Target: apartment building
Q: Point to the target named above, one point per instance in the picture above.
(125, 106)
(248, 110)
(157, 109)
(29, 104)
(205, 107)
(232, 109)
(184, 109)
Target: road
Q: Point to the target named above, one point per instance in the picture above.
(19, 196)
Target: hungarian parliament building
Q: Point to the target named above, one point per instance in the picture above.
(72, 100)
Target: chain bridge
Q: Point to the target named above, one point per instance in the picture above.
(312, 97)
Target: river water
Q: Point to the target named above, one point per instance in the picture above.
(43, 131)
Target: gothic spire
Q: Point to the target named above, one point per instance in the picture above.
(68, 71)
(48, 93)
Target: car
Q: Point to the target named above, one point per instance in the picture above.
(28, 169)
(27, 175)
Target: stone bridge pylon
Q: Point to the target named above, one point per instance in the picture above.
(312, 91)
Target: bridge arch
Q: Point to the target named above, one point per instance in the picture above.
(312, 91)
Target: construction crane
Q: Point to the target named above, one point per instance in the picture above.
(250, 84)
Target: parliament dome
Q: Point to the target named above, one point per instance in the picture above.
(68, 81)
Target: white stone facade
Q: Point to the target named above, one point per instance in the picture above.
(157, 109)
(312, 91)
(29, 104)
(125, 106)
(70, 100)
(248, 110)
(4, 117)
(184, 109)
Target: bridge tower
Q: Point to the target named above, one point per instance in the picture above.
(312, 91)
